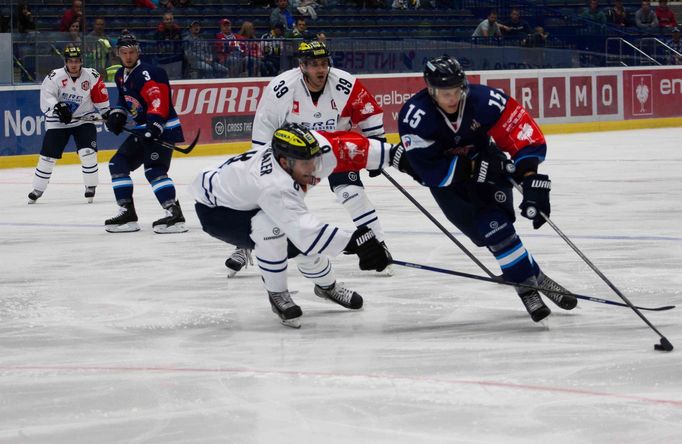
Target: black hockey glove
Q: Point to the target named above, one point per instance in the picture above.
(492, 168)
(536, 189)
(398, 160)
(153, 131)
(373, 255)
(63, 112)
(116, 120)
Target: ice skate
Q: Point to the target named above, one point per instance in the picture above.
(341, 295)
(90, 193)
(33, 196)
(124, 222)
(240, 258)
(533, 302)
(548, 286)
(284, 307)
(173, 222)
(388, 271)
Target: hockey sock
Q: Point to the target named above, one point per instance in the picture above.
(88, 158)
(273, 271)
(317, 268)
(361, 210)
(123, 189)
(43, 172)
(515, 261)
(164, 189)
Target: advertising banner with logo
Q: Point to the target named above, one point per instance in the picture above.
(223, 109)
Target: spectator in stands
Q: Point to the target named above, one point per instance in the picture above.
(228, 51)
(300, 30)
(488, 27)
(593, 13)
(645, 17)
(538, 39)
(149, 4)
(98, 47)
(665, 15)
(676, 44)
(306, 7)
(167, 36)
(272, 50)
(74, 35)
(199, 55)
(24, 21)
(282, 14)
(183, 4)
(251, 48)
(399, 4)
(166, 4)
(618, 15)
(73, 14)
(516, 28)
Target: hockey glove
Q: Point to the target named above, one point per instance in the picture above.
(492, 168)
(398, 160)
(373, 255)
(62, 110)
(153, 131)
(116, 120)
(536, 189)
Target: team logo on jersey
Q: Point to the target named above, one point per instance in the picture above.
(317, 115)
(367, 109)
(133, 105)
(352, 150)
(85, 85)
(64, 82)
(526, 132)
(295, 107)
(156, 103)
(407, 141)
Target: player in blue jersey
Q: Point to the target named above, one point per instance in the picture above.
(143, 92)
(459, 140)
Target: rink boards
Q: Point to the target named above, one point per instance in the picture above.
(562, 100)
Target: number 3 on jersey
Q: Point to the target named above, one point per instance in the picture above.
(411, 118)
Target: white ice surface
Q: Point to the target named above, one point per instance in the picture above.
(140, 338)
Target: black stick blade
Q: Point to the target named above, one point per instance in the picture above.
(665, 345)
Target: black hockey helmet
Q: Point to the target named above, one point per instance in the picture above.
(312, 49)
(72, 51)
(294, 141)
(444, 72)
(126, 39)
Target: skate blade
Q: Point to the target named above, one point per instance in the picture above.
(291, 323)
(386, 272)
(90, 199)
(175, 228)
(31, 202)
(124, 228)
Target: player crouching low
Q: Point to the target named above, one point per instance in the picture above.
(255, 201)
(70, 98)
(145, 93)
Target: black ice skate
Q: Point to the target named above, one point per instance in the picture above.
(341, 295)
(90, 193)
(284, 307)
(124, 222)
(533, 302)
(33, 196)
(174, 222)
(240, 258)
(548, 286)
(388, 271)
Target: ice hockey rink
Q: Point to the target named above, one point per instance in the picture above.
(140, 338)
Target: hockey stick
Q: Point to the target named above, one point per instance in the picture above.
(439, 225)
(188, 149)
(664, 345)
(513, 284)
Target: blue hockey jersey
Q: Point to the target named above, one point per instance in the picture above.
(145, 93)
(434, 141)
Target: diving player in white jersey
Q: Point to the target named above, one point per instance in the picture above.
(320, 98)
(255, 201)
(69, 96)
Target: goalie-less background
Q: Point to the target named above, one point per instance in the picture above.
(140, 338)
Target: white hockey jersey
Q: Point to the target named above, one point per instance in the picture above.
(85, 96)
(344, 102)
(256, 180)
